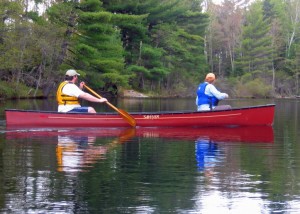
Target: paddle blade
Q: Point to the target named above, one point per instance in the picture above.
(127, 117)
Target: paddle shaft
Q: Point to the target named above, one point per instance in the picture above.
(99, 96)
(123, 113)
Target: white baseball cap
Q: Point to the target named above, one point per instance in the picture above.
(71, 73)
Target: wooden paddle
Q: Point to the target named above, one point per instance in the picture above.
(123, 113)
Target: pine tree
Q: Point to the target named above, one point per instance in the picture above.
(165, 51)
(97, 47)
(255, 55)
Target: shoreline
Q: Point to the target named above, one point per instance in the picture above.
(130, 93)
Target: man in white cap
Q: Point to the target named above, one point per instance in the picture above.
(68, 93)
(208, 96)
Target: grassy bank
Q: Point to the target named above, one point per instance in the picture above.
(16, 91)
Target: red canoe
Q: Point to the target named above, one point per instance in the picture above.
(246, 116)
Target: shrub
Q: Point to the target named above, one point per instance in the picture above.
(11, 90)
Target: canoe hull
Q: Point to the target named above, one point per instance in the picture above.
(247, 116)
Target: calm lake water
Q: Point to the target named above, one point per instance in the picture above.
(150, 170)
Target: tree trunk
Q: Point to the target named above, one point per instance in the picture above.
(294, 22)
(38, 80)
(69, 32)
(231, 55)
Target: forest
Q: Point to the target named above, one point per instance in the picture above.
(157, 47)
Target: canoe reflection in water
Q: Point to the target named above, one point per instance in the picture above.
(77, 149)
(73, 153)
(208, 147)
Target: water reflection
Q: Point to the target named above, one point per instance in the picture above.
(206, 152)
(76, 149)
(250, 134)
(156, 171)
(75, 153)
(142, 170)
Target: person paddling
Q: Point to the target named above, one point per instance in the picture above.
(208, 96)
(68, 94)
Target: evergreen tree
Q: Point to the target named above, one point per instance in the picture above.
(98, 48)
(91, 42)
(167, 50)
(256, 51)
(189, 62)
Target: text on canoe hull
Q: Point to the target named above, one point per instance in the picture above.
(151, 117)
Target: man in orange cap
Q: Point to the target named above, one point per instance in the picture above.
(208, 96)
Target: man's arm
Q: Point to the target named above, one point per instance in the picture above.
(91, 98)
(73, 90)
(216, 93)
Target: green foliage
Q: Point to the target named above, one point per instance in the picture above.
(158, 45)
(125, 19)
(116, 79)
(172, 42)
(94, 79)
(97, 46)
(28, 50)
(95, 16)
(6, 90)
(12, 90)
(137, 69)
(256, 50)
(159, 73)
(285, 84)
(86, 50)
(259, 88)
(108, 65)
(59, 14)
(108, 81)
(249, 87)
(150, 56)
(91, 5)
(34, 16)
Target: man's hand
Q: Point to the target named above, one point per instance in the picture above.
(102, 100)
(81, 85)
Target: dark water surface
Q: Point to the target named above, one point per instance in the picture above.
(152, 170)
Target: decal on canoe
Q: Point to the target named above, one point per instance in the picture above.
(151, 117)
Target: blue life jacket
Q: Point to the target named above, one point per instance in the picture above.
(202, 98)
